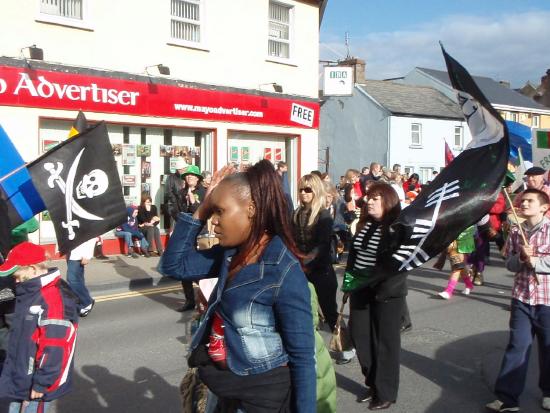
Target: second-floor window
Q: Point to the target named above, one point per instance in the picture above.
(186, 20)
(280, 28)
(71, 9)
(513, 116)
(416, 134)
(535, 121)
(458, 137)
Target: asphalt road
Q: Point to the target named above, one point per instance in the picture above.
(131, 352)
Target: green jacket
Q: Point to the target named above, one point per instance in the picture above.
(326, 378)
(465, 241)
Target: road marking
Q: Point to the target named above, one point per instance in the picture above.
(138, 293)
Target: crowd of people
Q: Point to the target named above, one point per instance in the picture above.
(261, 267)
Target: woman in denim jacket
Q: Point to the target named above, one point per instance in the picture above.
(255, 345)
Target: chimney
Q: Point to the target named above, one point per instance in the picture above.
(504, 83)
(358, 68)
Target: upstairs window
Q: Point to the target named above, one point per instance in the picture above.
(458, 137)
(186, 21)
(416, 134)
(535, 121)
(70, 9)
(513, 116)
(280, 27)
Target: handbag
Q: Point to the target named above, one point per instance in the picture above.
(341, 340)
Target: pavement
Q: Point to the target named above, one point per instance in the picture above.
(120, 273)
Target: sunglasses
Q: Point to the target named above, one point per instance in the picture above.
(307, 190)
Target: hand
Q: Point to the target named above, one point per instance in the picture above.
(204, 211)
(526, 252)
(36, 395)
(190, 196)
(84, 261)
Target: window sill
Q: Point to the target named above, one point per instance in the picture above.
(188, 45)
(281, 61)
(458, 148)
(416, 147)
(65, 21)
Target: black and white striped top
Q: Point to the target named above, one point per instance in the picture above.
(366, 254)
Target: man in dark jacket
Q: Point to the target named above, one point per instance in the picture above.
(174, 196)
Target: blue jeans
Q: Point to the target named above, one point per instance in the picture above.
(75, 278)
(35, 406)
(128, 239)
(526, 321)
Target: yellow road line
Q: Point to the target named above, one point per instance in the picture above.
(138, 293)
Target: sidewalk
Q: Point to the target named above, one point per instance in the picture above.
(120, 273)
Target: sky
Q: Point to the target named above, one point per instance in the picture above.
(502, 39)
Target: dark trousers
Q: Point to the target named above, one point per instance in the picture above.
(326, 287)
(375, 332)
(256, 393)
(526, 321)
(188, 291)
(152, 234)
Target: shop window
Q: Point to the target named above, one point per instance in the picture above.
(458, 137)
(280, 31)
(186, 27)
(71, 13)
(416, 134)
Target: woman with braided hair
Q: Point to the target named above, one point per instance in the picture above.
(255, 346)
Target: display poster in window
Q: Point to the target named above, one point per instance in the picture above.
(166, 151)
(163, 179)
(267, 154)
(245, 154)
(234, 154)
(46, 216)
(145, 170)
(48, 144)
(146, 187)
(278, 154)
(129, 155)
(143, 150)
(117, 149)
(130, 200)
(173, 162)
(128, 180)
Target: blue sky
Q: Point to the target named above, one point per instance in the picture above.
(505, 40)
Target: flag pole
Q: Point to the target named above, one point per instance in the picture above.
(525, 242)
(2, 179)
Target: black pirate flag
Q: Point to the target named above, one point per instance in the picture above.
(79, 183)
(465, 190)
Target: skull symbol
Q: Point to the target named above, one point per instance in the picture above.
(93, 184)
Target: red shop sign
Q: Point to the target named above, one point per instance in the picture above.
(56, 90)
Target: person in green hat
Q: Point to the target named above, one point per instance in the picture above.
(193, 195)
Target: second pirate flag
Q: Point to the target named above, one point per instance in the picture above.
(464, 191)
(79, 184)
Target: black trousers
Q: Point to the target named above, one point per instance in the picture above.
(268, 392)
(375, 332)
(188, 291)
(326, 287)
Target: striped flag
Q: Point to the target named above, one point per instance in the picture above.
(80, 124)
(22, 199)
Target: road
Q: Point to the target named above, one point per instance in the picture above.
(131, 352)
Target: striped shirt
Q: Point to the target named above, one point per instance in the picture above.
(366, 256)
(525, 287)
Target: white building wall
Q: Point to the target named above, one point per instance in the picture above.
(431, 152)
(128, 35)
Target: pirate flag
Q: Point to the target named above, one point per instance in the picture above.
(79, 183)
(465, 190)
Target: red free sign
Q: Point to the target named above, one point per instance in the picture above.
(56, 90)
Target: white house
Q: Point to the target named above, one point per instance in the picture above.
(391, 123)
(219, 81)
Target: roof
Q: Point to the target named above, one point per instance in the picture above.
(496, 93)
(411, 100)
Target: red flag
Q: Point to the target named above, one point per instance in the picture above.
(448, 154)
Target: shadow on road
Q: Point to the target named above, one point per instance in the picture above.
(98, 390)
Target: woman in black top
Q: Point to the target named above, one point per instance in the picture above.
(312, 227)
(148, 221)
(376, 306)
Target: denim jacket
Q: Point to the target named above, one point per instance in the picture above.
(266, 307)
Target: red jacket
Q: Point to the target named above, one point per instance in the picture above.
(496, 210)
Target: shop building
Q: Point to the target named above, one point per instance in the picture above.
(195, 78)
